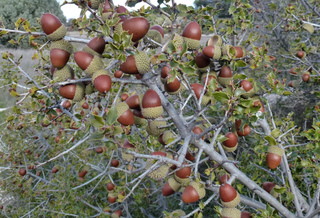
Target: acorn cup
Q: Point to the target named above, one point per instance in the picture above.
(192, 35)
(112, 197)
(94, 4)
(96, 46)
(60, 53)
(156, 33)
(139, 120)
(228, 195)
(193, 192)
(308, 27)
(153, 127)
(170, 187)
(127, 146)
(124, 114)
(213, 52)
(270, 188)
(106, 11)
(162, 171)
(231, 212)
(231, 143)
(212, 75)
(75, 92)
(63, 74)
(274, 157)
(53, 27)
(225, 76)
(134, 64)
(248, 87)
(165, 137)
(225, 50)
(151, 107)
(236, 52)
(89, 89)
(101, 80)
(197, 88)
(177, 41)
(88, 62)
(215, 40)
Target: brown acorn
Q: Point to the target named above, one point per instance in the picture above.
(134, 64)
(170, 187)
(106, 11)
(112, 197)
(301, 54)
(83, 173)
(127, 146)
(53, 27)
(274, 157)
(257, 103)
(125, 115)
(189, 156)
(213, 52)
(223, 178)
(193, 192)
(88, 62)
(137, 26)
(164, 73)
(246, 214)
(242, 132)
(60, 53)
(102, 81)
(96, 46)
(115, 163)
(225, 76)
(202, 60)
(99, 150)
(269, 187)
(22, 172)
(197, 88)
(110, 186)
(306, 76)
(172, 87)
(183, 172)
(192, 35)
(236, 52)
(74, 92)
(231, 143)
(228, 195)
(118, 74)
(133, 102)
(151, 107)
(248, 87)
(54, 170)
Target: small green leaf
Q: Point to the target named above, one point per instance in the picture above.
(112, 115)
(162, 57)
(117, 130)
(201, 205)
(96, 121)
(286, 93)
(220, 96)
(240, 63)
(280, 190)
(96, 136)
(276, 133)
(271, 140)
(221, 138)
(187, 69)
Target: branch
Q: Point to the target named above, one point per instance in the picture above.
(157, 8)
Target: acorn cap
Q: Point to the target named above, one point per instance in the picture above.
(63, 74)
(249, 94)
(205, 100)
(174, 184)
(203, 70)
(180, 180)
(273, 192)
(95, 4)
(231, 212)
(215, 40)
(275, 150)
(166, 136)
(139, 121)
(177, 40)
(228, 149)
(112, 194)
(232, 203)
(199, 188)
(225, 49)
(308, 27)
(217, 52)
(121, 108)
(79, 94)
(142, 62)
(161, 172)
(95, 65)
(155, 35)
(63, 45)
(177, 213)
(89, 89)
(153, 129)
(58, 33)
(125, 156)
(224, 81)
(91, 51)
(193, 44)
(99, 73)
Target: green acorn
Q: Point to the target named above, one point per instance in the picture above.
(177, 40)
(177, 213)
(215, 40)
(63, 45)
(231, 212)
(63, 74)
(153, 125)
(308, 27)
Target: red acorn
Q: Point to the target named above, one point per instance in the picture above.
(110, 186)
(137, 26)
(228, 195)
(151, 107)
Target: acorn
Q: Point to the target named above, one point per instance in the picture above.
(228, 195)
(306, 77)
(94, 4)
(225, 76)
(112, 197)
(193, 192)
(151, 107)
(274, 157)
(125, 115)
(257, 103)
(212, 75)
(242, 132)
(183, 172)
(127, 146)
(232, 212)
(170, 187)
(83, 173)
(189, 156)
(213, 52)
(134, 101)
(22, 172)
(74, 92)
(236, 52)
(165, 137)
(162, 171)
(248, 87)
(172, 87)
(101, 80)
(301, 54)
(134, 64)
(116, 214)
(177, 41)
(53, 27)
(106, 11)
(139, 120)
(231, 143)
(223, 178)
(246, 214)
(192, 35)
(197, 88)
(156, 33)
(270, 188)
(63, 74)
(118, 74)
(115, 163)
(110, 186)
(308, 27)
(293, 83)
(177, 213)
(215, 40)
(55, 170)
(137, 26)
(153, 127)
(202, 61)
(96, 46)
(88, 62)
(60, 53)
